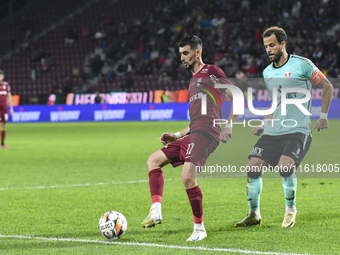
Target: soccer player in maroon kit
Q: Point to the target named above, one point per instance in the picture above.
(191, 149)
(5, 96)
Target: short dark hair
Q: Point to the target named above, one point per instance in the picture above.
(2, 72)
(191, 40)
(280, 34)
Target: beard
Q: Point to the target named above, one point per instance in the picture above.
(277, 56)
(190, 67)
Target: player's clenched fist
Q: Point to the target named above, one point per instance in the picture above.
(167, 138)
(257, 131)
(225, 135)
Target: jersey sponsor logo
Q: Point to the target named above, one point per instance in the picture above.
(3, 92)
(196, 96)
(256, 151)
(288, 74)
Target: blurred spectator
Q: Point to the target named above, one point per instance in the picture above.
(55, 88)
(71, 36)
(85, 32)
(107, 19)
(87, 71)
(96, 65)
(106, 67)
(164, 77)
(98, 99)
(33, 74)
(45, 66)
(68, 87)
(110, 74)
(296, 10)
(147, 45)
(240, 75)
(100, 34)
(128, 83)
(120, 68)
(317, 54)
(75, 72)
(51, 99)
(37, 55)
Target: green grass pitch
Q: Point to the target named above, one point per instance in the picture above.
(57, 179)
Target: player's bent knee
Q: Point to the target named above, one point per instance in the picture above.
(157, 160)
(189, 182)
(254, 175)
(152, 161)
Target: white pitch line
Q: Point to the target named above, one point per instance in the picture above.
(79, 185)
(88, 184)
(147, 245)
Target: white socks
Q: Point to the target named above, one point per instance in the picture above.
(291, 209)
(255, 213)
(199, 226)
(156, 207)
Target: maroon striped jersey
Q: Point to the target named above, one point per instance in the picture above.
(4, 90)
(205, 101)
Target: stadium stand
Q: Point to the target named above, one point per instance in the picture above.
(130, 45)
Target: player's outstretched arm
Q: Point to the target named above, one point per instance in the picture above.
(168, 137)
(327, 96)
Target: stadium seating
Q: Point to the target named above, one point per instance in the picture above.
(230, 42)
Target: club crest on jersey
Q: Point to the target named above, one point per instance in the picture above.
(214, 79)
(288, 74)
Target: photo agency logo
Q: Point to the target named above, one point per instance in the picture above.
(281, 97)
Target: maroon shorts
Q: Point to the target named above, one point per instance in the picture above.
(3, 116)
(194, 148)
